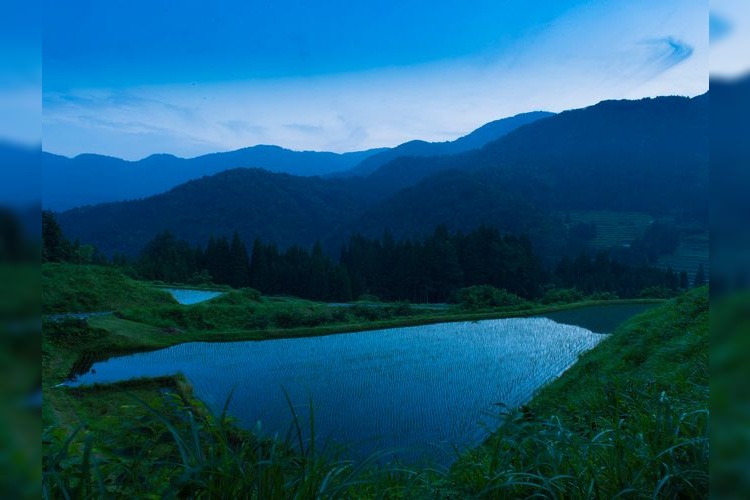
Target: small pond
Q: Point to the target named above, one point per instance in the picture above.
(189, 296)
(424, 391)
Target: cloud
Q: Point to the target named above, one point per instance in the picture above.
(307, 129)
(667, 52)
(594, 53)
(241, 126)
(718, 27)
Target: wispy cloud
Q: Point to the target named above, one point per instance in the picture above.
(243, 127)
(305, 128)
(718, 27)
(667, 52)
(640, 49)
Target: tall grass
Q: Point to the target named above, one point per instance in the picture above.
(189, 454)
(639, 446)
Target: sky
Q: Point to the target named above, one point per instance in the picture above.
(134, 78)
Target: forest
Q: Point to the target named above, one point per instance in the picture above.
(427, 270)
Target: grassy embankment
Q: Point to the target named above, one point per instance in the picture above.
(631, 414)
(146, 318)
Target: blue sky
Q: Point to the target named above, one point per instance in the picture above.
(20, 73)
(134, 78)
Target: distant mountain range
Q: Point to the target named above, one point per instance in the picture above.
(649, 155)
(475, 140)
(89, 179)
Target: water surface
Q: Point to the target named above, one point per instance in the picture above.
(423, 390)
(188, 297)
(599, 319)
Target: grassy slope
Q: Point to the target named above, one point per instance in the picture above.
(67, 289)
(631, 417)
(665, 349)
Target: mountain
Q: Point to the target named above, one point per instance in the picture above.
(460, 200)
(475, 140)
(647, 156)
(279, 208)
(89, 179)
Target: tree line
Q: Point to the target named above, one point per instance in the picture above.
(419, 270)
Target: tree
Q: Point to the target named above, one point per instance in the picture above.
(166, 258)
(700, 277)
(684, 283)
(239, 266)
(55, 247)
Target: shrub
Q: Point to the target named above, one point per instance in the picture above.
(656, 292)
(366, 297)
(251, 294)
(562, 296)
(483, 296)
(70, 331)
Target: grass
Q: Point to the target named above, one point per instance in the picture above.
(79, 288)
(692, 251)
(613, 228)
(630, 418)
(617, 228)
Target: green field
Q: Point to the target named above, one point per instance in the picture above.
(615, 229)
(692, 252)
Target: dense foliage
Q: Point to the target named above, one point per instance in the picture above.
(89, 288)
(416, 270)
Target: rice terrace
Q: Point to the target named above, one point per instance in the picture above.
(392, 250)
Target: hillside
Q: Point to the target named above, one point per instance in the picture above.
(462, 201)
(631, 415)
(474, 140)
(281, 208)
(82, 289)
(89, 179)
(648, 155)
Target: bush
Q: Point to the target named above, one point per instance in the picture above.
(656, 292)
(70, 331)
(367, 297)
(562, 296)
(368, 313)
(251, 294)
(484, 296)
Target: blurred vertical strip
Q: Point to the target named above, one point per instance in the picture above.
(20, 249)
(729, 23)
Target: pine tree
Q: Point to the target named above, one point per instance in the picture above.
(238, 265)
(700, 277)
(55, 247)
(684, 283)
